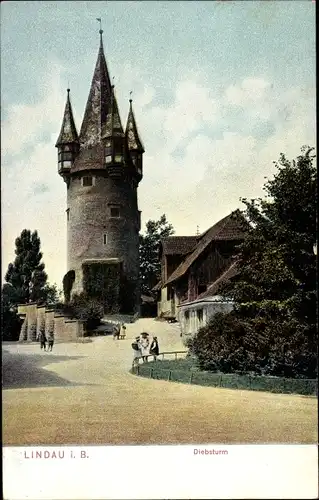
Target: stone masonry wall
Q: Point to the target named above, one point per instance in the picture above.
(40, 318)
(32, 322)
(90, 218)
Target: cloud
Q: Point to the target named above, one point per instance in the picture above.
(33, 195)
(248, 91)
(204, 151)
(40, 189)
(26, 122)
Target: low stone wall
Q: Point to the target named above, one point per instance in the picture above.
(73, 329)
(39, 318)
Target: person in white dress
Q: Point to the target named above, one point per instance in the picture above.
(145, 346)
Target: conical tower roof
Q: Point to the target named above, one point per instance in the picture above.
(133, 139)
(98, 102)
(113, 126)
(68, 132)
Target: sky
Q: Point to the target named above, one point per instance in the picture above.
(220, 89)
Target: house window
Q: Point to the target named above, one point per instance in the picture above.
(87, 181)
(104, 239)
(200, 316)
(115, 212)
(68, 214)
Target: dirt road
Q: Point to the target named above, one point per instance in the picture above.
(84, 394)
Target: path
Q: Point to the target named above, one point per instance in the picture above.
(85, 395)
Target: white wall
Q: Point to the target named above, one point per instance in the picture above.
(189, 317)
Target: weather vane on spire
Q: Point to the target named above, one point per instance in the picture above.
(100, 21)
(131, 95)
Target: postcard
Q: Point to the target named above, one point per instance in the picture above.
(159, 250)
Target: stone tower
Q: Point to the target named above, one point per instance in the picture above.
(102, 167)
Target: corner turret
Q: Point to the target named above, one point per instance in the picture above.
(134, 143)
(68, 140)
(113, 138)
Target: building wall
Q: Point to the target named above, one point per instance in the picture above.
(64, 330)
(89, 219)
(194, 316)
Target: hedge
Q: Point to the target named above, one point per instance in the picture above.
(183, 371)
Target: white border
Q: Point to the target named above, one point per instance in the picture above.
(161, 472)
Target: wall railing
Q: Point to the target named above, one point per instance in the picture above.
(160, 356)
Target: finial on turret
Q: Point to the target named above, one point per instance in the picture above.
(131, 96)
(100, 21)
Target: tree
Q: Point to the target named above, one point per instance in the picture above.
(26, 281)
(276, 261)
(273, 328)
(150, 266)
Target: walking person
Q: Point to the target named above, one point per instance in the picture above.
(145, 346)
(122, 333)
(116, 331)
(136, 351)
(50, 341)
(154, 348)
(43, 340)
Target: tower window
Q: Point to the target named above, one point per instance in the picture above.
(118, 158)
(115, 212)
(104, 239)
(68, 214)
(87, 180)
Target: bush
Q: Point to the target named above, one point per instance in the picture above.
(260, 346)
(10, 325)
(81, 307)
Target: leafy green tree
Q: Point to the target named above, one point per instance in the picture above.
(150, 266)
(276, 261)
(26, 275)
(26, 281)
(273, 328)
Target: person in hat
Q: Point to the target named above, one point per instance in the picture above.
(116, 331)
(136, 350)
(50, 341)
(154, 348)
(145, 346)
(43, 341)
(122, 333)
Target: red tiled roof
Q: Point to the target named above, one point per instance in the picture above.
(89, 159)
(231, 227)
(178, 245)
(147, 299)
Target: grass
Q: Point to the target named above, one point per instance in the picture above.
(185, 371)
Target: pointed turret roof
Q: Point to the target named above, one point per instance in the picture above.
(98, 102)
(68, 132)
(133, 140)
(113, 126)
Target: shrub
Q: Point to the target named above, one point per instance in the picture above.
(260, 345)
(81, 307)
